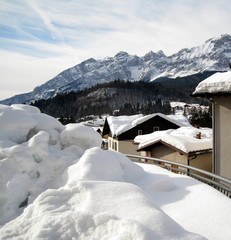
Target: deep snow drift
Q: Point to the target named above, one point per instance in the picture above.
(56, 183)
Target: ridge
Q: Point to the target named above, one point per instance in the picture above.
(213, 55)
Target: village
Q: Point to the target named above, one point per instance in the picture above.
(59, 173)
(177, 137)
(115, 120)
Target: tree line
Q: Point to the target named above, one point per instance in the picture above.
(124, 96)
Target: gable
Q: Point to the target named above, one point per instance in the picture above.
(148, 127)
(106, 128)
(161, 143)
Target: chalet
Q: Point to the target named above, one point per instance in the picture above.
(217, 88)
(187, 145)
(121, 130)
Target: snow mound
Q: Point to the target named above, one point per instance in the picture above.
(15, 124)
(95, 210)
(80, 135)
(116, 167)
(32, 157)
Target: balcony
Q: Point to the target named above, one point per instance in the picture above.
(222, 184)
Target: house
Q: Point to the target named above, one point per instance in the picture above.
(187, 109)
(177, 106)
(217, 88)
(121, 130)
(187, 145)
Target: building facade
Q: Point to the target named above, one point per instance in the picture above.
(217, 88)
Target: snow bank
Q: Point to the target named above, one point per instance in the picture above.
(15, 124)
(116, 167)
(217, 83)
(32, 155)
(53, 187)
(81, 136)
(96, 203)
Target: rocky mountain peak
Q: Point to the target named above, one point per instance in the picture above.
(213, 55)
(122, 54)
(153, 56)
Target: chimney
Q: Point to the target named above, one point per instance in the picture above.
(198, 135)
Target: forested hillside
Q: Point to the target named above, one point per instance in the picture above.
(127, 97)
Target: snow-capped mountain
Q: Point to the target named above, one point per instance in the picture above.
(213, 55)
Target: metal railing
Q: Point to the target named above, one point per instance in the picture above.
(222, 184)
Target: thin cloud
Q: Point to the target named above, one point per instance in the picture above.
(45, 19)
(73, 31)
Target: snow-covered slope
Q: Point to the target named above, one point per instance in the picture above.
(213, 55)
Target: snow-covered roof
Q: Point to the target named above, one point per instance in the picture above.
(216, 84)
(120, 124)
(177, 104)
(182, 138)
(180, 119)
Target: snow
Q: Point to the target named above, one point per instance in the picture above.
(136, 72)
(56, 183)
(177, 104)
(194, 205)
(81, 136)
(35, 149)
(120, 124)
(180, 119)
(217, 83)
(183, 138)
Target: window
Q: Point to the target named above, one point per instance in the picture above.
(156, 128)
(140, 132)
(114, 145)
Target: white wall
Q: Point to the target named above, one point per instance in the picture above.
(222, 136)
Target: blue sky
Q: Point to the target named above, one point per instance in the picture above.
(40, 38)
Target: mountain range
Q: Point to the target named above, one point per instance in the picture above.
(212, 56)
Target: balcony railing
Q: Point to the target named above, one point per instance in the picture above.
(222, 184)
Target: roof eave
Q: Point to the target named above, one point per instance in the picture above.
(199, 152)
(209, 95)
(196, 152)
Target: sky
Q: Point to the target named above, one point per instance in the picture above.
(40, 38)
